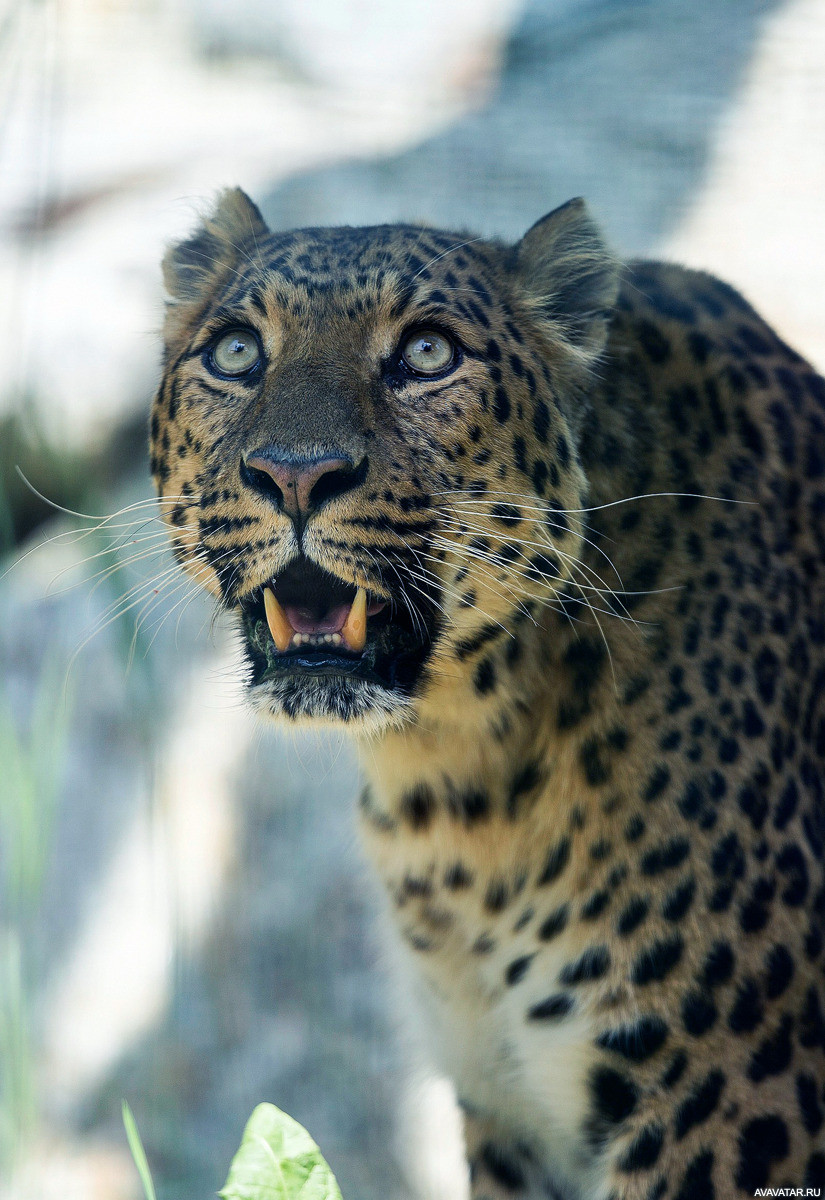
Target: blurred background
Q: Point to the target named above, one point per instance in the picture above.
(185, 920)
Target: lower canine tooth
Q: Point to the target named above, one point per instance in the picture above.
(354, 630)
(279, 626)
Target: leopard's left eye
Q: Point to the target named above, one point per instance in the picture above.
(236, 353)
(428, 352)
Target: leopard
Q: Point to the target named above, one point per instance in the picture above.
(543, 531)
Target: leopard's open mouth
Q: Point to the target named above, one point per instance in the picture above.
(308, 624)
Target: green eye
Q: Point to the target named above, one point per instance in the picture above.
(236, 352)
(428, 352)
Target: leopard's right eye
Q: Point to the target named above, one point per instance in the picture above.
(235, 353)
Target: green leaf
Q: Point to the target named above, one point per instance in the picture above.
(136, 1146)
(278, 1160)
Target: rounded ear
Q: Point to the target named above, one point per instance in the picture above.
(232, 230)
(567, 270)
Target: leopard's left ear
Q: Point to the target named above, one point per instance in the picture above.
(567, 270)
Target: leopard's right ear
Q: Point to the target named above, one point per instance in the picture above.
(230, 233)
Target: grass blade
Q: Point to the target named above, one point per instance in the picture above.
(138, 1153)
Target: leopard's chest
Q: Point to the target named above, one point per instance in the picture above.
(485, 987)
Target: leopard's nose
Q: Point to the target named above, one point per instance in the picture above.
(300, 486)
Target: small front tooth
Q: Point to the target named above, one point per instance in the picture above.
(354, 631)
(279, 626)
(335, 638)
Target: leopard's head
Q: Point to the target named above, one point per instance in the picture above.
(365, 443)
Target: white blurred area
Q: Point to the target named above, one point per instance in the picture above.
(759, 220)
(118, 120)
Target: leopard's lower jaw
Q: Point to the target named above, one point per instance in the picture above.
(319, 684)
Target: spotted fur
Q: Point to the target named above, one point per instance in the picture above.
(597, 805)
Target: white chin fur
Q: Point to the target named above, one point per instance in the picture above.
(353, 705)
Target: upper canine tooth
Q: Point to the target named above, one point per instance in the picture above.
(354, 629)
(279, 626)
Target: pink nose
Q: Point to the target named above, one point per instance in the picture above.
(300, 486)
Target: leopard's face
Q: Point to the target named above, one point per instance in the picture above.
(365, 444)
